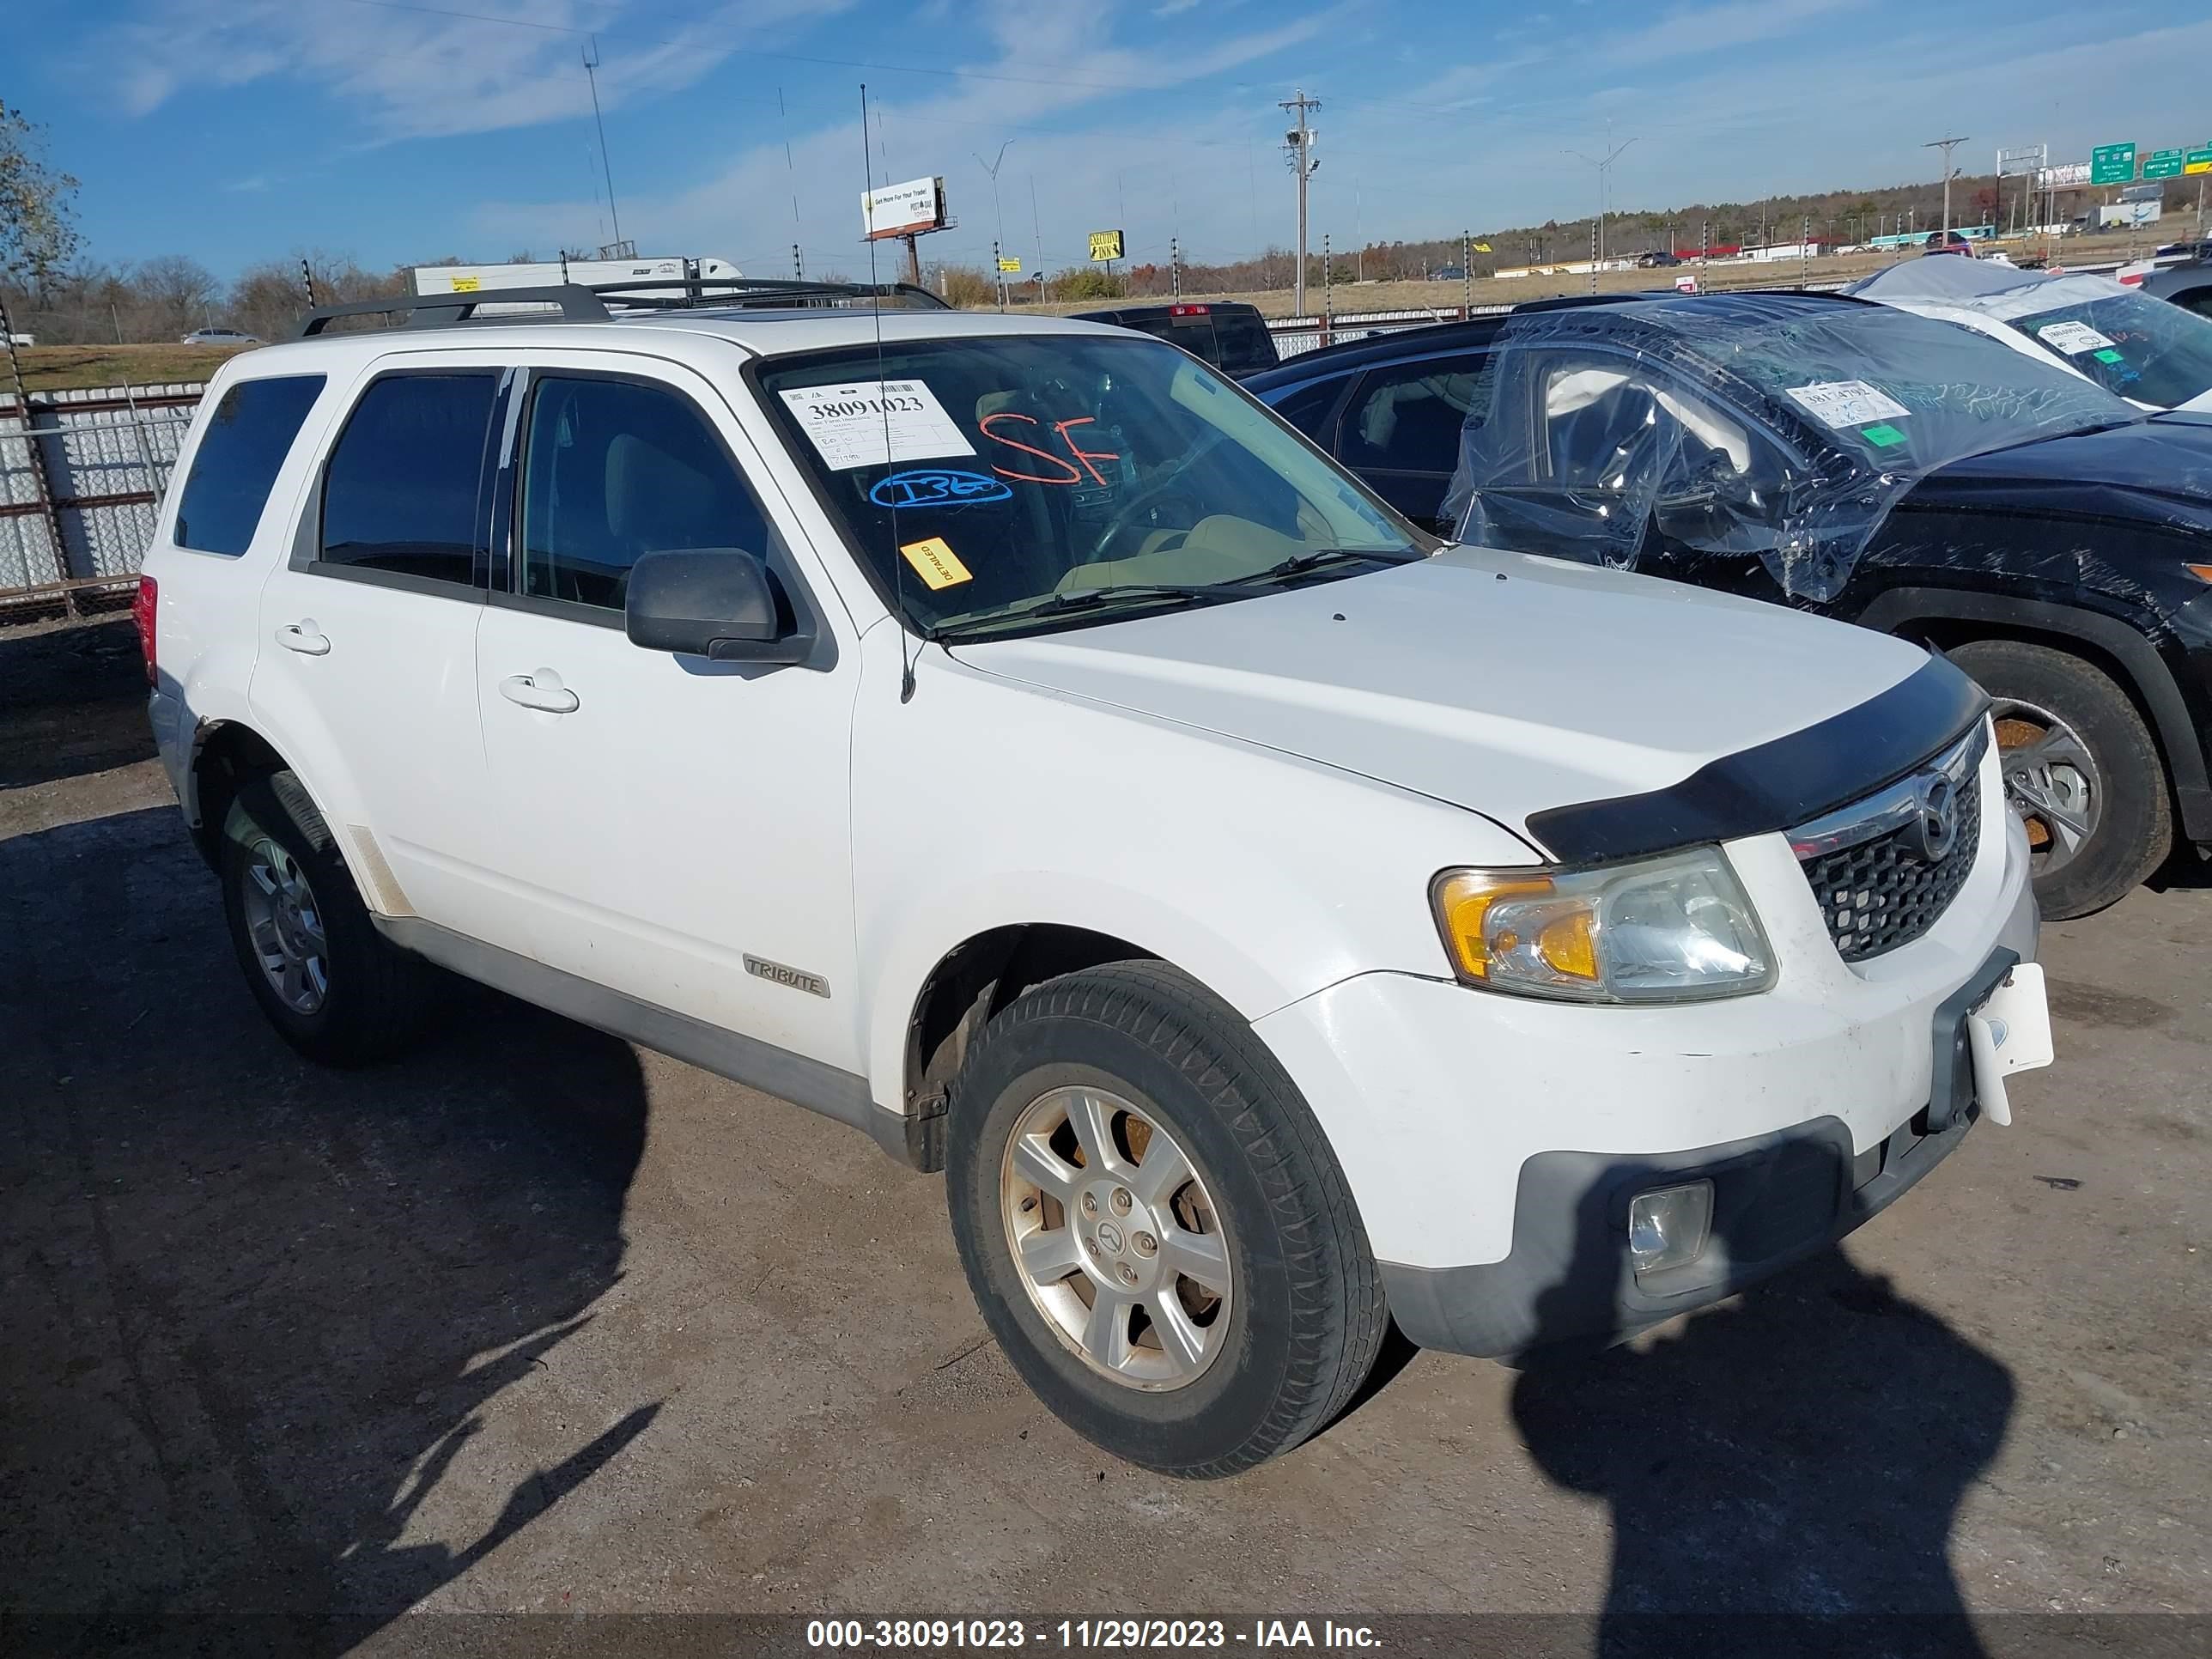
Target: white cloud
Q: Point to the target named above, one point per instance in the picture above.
(1190, 168)
(1724, 27)
(422, 73)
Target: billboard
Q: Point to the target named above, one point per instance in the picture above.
(1105, 244)
(2067, 175)
(906, 210)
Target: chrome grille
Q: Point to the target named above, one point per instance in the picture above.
(1884, 869)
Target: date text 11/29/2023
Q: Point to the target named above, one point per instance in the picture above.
(926, 1635)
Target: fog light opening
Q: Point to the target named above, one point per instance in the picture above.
(1668, 1226)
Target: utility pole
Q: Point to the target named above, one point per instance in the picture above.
(591, 74)
(1946, 145)
(998, 219)
(1604, 174)
(1298, 143)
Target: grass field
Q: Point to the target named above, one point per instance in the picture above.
(59, 368)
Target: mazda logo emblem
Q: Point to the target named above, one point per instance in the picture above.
(1935, 828)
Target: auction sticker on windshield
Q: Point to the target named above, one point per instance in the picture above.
(875, 422)
(935, 562)
(1848, 403)
(2073, 338)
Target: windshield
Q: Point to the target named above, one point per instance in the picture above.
(1903, 393)
(994, 482)
(2135, 346)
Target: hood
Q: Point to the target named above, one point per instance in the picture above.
(1504, 684)
(2159, 469)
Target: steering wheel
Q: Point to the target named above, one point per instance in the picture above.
(1160, 490)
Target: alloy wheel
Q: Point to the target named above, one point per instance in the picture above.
(285, 924)
(1116, 1238)
(2050, 780)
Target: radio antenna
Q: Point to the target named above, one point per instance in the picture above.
(882, 403)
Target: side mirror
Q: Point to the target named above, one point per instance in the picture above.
(720, 603)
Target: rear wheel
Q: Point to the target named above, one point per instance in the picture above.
(1153, 1225)
(2080, 768)
(330, 984)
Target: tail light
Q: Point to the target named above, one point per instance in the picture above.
(1189, 311)
(142, 608)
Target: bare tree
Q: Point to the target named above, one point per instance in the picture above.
(37, 206)
(175, 294)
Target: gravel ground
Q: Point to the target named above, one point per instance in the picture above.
(536, 1322)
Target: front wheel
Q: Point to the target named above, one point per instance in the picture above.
(2080, 768)
(1154, 1225)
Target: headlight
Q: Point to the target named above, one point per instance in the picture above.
(1668, 929)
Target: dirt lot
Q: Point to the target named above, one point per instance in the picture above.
(536, 1322)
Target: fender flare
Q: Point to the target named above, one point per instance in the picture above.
(2147, 673)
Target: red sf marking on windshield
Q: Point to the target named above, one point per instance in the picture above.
(1073, 476)
(1074, 473)
(1086, 456)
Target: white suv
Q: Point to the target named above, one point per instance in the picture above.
(1007, 738)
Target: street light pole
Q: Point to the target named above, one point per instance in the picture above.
(1946, 145)
(1604, 172)
(1299, 142)
(998, 220)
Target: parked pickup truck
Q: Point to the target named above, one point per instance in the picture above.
(1007, 737)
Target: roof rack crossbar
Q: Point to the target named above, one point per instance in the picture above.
(578, 305)
(688, 291)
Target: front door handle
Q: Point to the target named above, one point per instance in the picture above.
(542, 689)
(304, 637)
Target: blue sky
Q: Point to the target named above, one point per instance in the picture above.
(234, 130)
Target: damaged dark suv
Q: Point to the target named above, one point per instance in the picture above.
(1882, 468)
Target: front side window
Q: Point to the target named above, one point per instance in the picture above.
(998, 483)
(613, 470)
(402, 491)
(246, 442)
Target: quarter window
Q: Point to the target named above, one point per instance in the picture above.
(246, 442)
(614, 470)
(405, 489)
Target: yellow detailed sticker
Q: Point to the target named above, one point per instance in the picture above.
(936, 563)
(467, 284)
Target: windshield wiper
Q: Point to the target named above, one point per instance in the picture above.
(1298, 563)
(1084, 599)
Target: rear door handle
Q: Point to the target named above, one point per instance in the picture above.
(542, 689)
(304, 637)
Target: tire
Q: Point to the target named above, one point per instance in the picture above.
(1293, 1331)
(2043, 697)
(372, 996)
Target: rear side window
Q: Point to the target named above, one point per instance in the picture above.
(1408, 418)
(246, 442)
(403, 492)
(1308, 408)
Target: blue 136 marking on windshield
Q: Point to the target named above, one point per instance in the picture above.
(932, 486)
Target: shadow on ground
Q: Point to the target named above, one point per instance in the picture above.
(250, 1311)
(1783, 1470)
(72, 701)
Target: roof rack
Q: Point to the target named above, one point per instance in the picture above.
(578, 303)
(688, 293)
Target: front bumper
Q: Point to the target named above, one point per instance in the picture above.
(1568, 1282)
(1475, 1130)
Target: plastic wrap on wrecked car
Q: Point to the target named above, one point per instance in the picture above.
(1758, 427)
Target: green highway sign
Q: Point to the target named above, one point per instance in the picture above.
(2162, 164)
(2197, 160)
(2112, 164)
